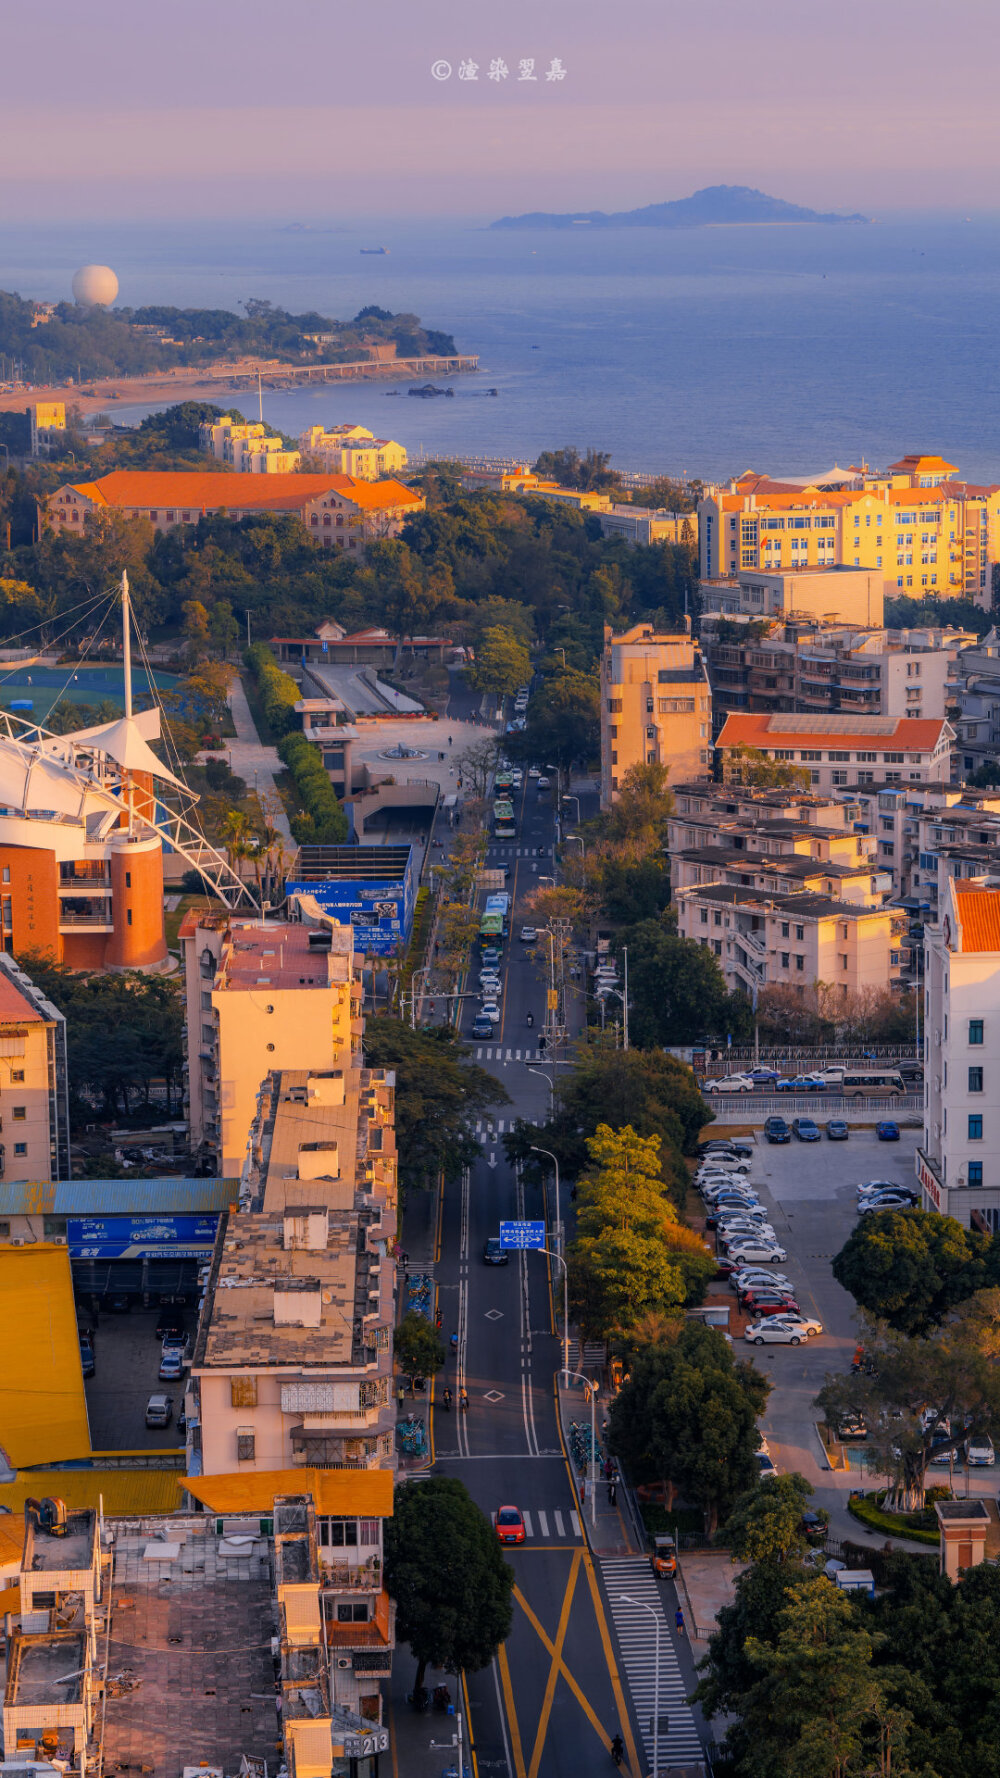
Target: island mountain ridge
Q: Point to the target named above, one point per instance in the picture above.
(714, 205)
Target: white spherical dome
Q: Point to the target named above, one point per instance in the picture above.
(95, 284)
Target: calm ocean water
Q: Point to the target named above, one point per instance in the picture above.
(700, 352)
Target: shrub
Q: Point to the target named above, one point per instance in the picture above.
(869, 1511)
(279, 693)
(324, 821)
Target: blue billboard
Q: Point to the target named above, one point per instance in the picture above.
(372, 889)
(139, 1237)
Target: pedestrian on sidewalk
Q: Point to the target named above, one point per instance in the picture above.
(401, 1396)
(612, 1493)
(679, 1621)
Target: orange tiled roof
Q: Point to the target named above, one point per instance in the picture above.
(913, 462)
(978, 913)
(768, 500)
(765, 729)
(151, 490)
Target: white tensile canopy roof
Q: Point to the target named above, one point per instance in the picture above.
(60, 774)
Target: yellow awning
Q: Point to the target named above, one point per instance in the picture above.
(43, 1408)
(342, 1493)
(125, 1492)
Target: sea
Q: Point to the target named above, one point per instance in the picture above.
(698, 352)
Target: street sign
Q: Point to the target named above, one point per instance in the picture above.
(551, 999)
(522, 1234)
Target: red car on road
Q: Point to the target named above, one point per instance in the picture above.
(510, 1525)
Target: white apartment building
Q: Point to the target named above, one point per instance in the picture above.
(793, 939)
(352, 450)
(34, 1088)
(247, 447)
(958, 1163)
(260, 997)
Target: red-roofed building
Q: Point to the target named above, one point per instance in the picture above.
(837, 750)
(958, 1162)
(338, 511)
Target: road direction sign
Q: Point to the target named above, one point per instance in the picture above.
(522, 1234)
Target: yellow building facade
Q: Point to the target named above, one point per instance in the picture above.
(656, 707)
(927, 532)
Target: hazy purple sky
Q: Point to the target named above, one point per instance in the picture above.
(311, 107)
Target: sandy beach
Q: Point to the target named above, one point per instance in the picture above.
(164, 387)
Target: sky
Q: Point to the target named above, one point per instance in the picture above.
(313, 108)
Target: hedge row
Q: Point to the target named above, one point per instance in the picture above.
(863, 1507)
(324, 822)
(278, 691)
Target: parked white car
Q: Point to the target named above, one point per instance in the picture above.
(749, 1250)
(782, 1330)
(730, 1083)
(979, 1452)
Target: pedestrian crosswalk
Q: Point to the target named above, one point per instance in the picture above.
(680, 1742)
(520, 851)
(497, 1053)
(551, 1523)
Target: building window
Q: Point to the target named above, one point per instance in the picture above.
(975, 1173)
(20, 1113)
(128, 879)
(975, 1080)
(243, 1392)
(338, 1534)
(17, 1074)
(785, 928)
(785, 959)
(246, 1444)
(4, 1230)
(22, 1148)
(352, 1611)
(615, 706)
(975, 1127)
(975, 1030)
(800, 963)
(6, 873)
(128, 916)
(52, 1226)
(800, 933)
(703, 916)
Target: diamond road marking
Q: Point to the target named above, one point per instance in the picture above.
(493, 1395)
(494, 1315)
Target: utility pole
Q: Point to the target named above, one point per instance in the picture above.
(248, 629)
(625, 998)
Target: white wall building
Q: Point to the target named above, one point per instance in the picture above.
(958, 1163)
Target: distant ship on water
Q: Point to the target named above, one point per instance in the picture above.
(374, 249)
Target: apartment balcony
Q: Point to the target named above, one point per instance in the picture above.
(91, 920)
(350, 1577)
(378, 1632)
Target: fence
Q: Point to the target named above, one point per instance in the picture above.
(753, 1108)
(802, 1058)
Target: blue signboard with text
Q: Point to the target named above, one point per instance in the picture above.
(138, 1237)
(522, 1234)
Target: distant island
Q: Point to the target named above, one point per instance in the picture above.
(714, 206)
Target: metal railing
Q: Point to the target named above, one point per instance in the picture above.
(753, 1108)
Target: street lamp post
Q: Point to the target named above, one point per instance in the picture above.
(591, 1388)
(549, 1081)
(561, 1245)
(573, 799)
(627, 1599)
(558, 1257)
(422, 971)
(578, 837)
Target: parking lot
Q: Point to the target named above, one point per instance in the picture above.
(127, 1357)
(809, 1192)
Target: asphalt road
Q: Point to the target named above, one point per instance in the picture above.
(556, 1693)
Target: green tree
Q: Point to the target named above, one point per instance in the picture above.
(418, 1347)
(651, 1091)
(615, 1280)
(752, 768)
(476, 765)
(910, 1267)
(439, 1096)
(688, 1416)
(818, 1703)
(502, 663)
(766, 1522)
(446, 1572)
(677, 991)
(563, 723)
(591, 473)
(642, 807)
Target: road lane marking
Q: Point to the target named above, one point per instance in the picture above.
(526, 1516)
(681, 1743)
(555, 1668)
(511, 1714)
(575, 1522)
(560, 1527)
(612, 1665)
(543, 1523)
(584, 1702)
(468, 1721)
(501, 1716)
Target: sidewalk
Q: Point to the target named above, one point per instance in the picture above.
(608, 1531)
(252, 761)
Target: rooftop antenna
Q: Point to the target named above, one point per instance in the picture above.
(260, 400)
